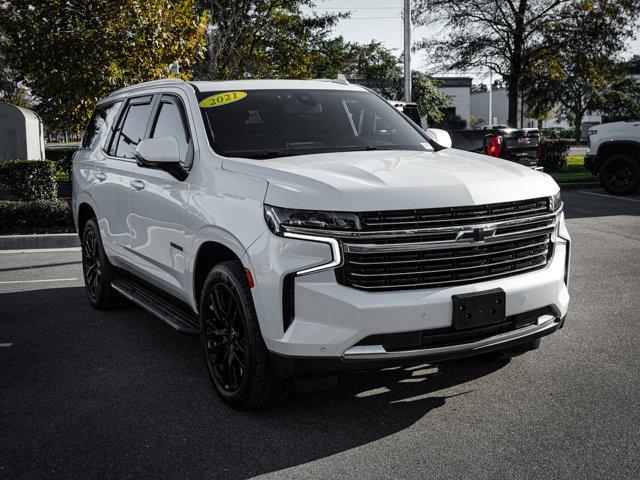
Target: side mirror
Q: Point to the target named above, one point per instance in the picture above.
(441, 137)
(158, 151)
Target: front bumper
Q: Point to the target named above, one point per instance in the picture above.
(376, 357)
(331, 319)
(592, 163)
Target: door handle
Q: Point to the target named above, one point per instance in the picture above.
(137, 184)
(101, 176)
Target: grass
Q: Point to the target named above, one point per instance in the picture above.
(62, 177)
(575, 172)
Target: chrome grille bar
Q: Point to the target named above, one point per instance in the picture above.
(452, 269)
(448, 282)
(417, 246)
(457, 257)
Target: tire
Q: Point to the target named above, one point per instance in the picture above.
(96, 268)
(620, 174)
(234, 351)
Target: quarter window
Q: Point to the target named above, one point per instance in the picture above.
(99, 126)
(132, 128)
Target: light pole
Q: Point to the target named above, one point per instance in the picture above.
(407, 50)
(490, 97)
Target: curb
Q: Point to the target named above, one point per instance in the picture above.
(24, 242)
(578, 185)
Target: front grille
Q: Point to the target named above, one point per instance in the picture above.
(519, 242)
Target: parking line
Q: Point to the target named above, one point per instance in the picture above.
(41, 250)
(13, 282)
(611, 196)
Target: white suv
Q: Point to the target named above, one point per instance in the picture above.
(308, 226)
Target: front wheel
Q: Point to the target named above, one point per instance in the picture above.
(620, 175)
(234, 350)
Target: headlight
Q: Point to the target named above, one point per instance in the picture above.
(281, 219)
(555, 202)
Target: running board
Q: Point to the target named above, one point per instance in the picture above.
(176, 317)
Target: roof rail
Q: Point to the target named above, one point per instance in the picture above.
(152, 83)
(341, 79)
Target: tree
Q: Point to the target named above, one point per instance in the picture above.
(432, 102)
(583, 74)
(70, 54)
(503, 36)
(262, 39)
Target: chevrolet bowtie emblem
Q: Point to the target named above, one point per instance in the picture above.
(476, 234)
(479, 234)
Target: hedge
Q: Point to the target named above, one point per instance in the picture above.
(62, 157)
(18, 216)
(553, 154)
(29, 179)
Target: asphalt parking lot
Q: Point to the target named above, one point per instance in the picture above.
(87, 394)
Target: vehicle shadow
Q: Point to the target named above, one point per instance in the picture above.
(88, 394)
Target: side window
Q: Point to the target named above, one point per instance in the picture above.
(131, 128)
(99, 125)
(171, 121)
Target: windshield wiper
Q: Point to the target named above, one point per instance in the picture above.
(258, 154)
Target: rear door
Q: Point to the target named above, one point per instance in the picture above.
(113, 175)
(158, 202)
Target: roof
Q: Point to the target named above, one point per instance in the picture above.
(274, 85)
(214, 86)
(451, 82)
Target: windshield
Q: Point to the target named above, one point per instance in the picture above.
(277, 123)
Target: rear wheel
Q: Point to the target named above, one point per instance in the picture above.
(97, 270)
(620, 175)
(234, 350)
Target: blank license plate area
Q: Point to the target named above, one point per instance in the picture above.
(473, 310)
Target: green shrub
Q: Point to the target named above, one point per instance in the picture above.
(553, 154)
(62, 157)
(18, 216)
(29, 179)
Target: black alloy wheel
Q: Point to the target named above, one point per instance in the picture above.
(620, 175)
(92, 265)
(97, 270)
(226, 338)
(234, 351)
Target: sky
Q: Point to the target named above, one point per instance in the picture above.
(381, 20)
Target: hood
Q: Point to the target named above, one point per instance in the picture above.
(393, 180)
(611, 127)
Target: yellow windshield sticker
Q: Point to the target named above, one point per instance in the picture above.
(223, 98)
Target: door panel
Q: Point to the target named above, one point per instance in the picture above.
(111, 191)
(158, 205)
(157, 225)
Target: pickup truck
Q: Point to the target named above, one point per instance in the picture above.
(517, 145)
(614, 155)
(299, 227)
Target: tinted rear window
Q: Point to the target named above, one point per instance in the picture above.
(99, 125)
